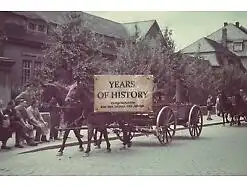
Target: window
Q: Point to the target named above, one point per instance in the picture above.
(238, 46)
(41, 28)
(26, 70)
(36, 27)
(32, 26)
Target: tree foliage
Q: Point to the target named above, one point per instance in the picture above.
(73, 51)
(76, 50)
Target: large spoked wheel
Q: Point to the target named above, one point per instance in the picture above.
(245, 118)
(165, 125)
(195, 121)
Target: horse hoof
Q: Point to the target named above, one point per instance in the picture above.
(81, 149)
(86, 155)
(60, 154)
(123, 148)
(97, 147)
(129, 144)
(108, 150)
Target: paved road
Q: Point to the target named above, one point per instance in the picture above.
(73, 141)
(219, 151)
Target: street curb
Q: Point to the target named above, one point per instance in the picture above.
(75, 143)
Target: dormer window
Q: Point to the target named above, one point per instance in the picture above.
(41, 28)
(32, 26)
(35, 27)
(238, 46)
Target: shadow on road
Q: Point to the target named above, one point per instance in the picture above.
(148, 144)
(189, 138)
(243, 125)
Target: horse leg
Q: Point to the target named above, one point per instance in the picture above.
(227, 118)
(65, 136)
(89, 136)
(78, 136)
(129, 141)
(238, 119)
(99, 140)
(223, 117)
(95, 136)
(125, 137)
(108, 145)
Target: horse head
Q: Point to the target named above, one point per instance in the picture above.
(79, 93)
(52, 90)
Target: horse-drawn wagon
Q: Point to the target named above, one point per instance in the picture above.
(125, 104)
(161, 121)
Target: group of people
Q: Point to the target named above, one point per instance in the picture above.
(22, 117)
(211, 103)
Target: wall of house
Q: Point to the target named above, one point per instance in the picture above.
(234, 34)
(238, 53)
(211, 57)
(5, 86)
(154, 32)
(244, 62)
(19, 53)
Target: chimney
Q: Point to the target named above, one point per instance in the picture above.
(224, 37)
(237, 24)
(225, 24)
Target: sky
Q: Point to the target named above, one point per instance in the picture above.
(187, 26)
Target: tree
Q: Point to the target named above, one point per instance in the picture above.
(140, 58)
(71, 52)
(230, 78)
(158, 57)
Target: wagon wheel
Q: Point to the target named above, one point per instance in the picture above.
(245, 118)
(165, 125)
(195, 121)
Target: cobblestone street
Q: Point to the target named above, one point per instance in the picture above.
(219, 151)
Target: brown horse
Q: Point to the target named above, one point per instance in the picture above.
(98, 121)
(72, 112)
(93, 121)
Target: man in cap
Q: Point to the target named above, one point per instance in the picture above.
(26, 95)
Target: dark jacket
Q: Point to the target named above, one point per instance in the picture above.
(5, 133)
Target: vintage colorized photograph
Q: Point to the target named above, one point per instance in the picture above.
(123, 93)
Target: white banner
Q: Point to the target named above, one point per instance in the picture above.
(123, 93)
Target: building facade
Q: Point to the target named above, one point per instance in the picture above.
(5, 78)
(27, 32)
(226, 45)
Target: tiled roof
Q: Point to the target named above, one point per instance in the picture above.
(233, 33)
(242, 28)
(18, 32)
(140, 28)
(97, 24)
